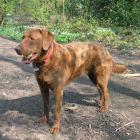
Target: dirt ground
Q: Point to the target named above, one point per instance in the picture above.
(21, 103)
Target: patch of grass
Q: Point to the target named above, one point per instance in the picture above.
(124, 39)
(129, 38)
(15, 32)
(65, 37)
(12, 31)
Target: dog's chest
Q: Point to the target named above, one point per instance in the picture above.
(44, 74)
(49, 75)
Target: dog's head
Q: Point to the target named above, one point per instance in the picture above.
(33, 42)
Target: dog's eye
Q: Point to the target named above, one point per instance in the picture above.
(31, 38)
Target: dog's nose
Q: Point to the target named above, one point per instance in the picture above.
(18, 50)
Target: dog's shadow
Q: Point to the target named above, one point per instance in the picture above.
(33, 105)
(28, 105)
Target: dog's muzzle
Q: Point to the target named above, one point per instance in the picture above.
(18, 50)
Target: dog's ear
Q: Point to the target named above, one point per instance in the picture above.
(47, 39)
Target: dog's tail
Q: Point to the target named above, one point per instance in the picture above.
(118, 68)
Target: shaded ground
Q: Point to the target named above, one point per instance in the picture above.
(21, 104)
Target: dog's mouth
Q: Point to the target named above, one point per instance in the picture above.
(30, 58)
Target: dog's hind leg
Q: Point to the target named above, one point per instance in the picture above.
(91, 76)
(102, 76)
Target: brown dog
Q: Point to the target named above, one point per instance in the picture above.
(59, 64)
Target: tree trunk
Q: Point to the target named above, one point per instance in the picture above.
(1, 15)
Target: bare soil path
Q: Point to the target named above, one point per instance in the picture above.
(21, 103)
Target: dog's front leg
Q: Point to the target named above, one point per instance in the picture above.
(45, 96)
(58, 93)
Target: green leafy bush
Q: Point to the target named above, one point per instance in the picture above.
(12, 31)
(115, 23)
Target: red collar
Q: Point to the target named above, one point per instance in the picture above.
(49, 54)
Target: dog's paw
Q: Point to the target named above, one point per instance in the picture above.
(55, 129)
(103, 109)
(43, 120)
(98, 102)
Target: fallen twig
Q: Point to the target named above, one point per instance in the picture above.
(71, 108)
(124, 126)
(131, 75)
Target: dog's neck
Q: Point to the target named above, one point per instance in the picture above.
(49, 54)
(46, 57)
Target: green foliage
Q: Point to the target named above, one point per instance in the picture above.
(82, 25)
(16, 32)
(65, 37)
(115, 23)
(106, 34)
(77, 8)
(124, 39)
(38, 11)
(118, 12)
(12, 31)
